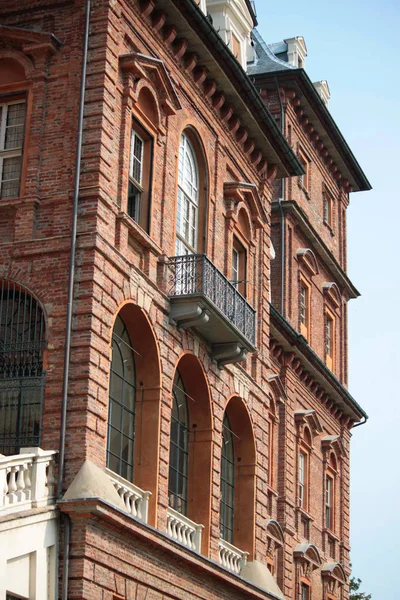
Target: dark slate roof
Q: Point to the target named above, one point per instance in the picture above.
(266, 61)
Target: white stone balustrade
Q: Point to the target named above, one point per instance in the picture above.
(183, 530)
(135, 500)
(26, 480)
(231, 557)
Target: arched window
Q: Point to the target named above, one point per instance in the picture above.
(227, 510)
(22, 374)
(187, 216)
(122, 403)
(179, 448)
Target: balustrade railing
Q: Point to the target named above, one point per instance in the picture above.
(196, 274)
(136, 501)
(183, 530)
(26, 480)
(231, 557)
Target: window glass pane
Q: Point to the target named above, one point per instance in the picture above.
(122, 404)
(10, 177)
(187, 210)
(14, 134)
(179, 448)
(227, 483)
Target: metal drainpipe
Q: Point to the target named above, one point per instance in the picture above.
(67, 345)
(280, 200)
(360, 423)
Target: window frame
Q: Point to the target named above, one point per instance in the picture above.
(305, 587)
(144, 186)
(330, 339)
(305, 180)
(327, 208)
(304, 324)
(186, 203)
(227, 483)
(240, 250)
(125, 468)
(176, 500)
(6, 101)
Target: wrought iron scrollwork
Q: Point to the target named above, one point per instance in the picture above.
(195, 274)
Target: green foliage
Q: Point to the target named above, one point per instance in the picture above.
(354, 593)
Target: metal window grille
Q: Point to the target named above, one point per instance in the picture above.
(179, 449)
(12, 126)
(227, 504)
(122, 404)
(22, 342)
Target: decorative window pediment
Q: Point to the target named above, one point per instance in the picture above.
(307, 257)
(29, 41)
(333, 576)
(333, 443)
(309, 554)
(332, 293)
(152, 70)
(236, 192)
(307, 418)
(277, 387)
(274, 531)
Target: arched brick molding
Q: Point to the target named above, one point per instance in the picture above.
(245, 474)
(200, 443)
(148, 401)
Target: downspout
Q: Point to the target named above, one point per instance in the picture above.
(280, 200)
(68, 333)
(67, 344)
(360, 423)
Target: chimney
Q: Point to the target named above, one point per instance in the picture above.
(322, 88)
(296, 51)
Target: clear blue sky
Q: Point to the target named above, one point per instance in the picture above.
(353, 44)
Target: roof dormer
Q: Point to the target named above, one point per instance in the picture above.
(234, 20)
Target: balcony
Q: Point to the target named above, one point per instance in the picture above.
(183, 530)
(203, 298)
(136, 501)
(231, 557)
(26, 480)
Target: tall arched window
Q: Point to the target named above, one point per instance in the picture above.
(187, 215)
(122, 403)
(22, 374)
(227, 507)
(179, 448)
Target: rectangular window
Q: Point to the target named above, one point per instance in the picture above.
(12, 129)
(271, 440)
(135, 177)
(302, 479)
(328, 206)
(329, 340)
(239, 258)
(305, 179)
(328, 502)
(305, 592)
(304, 309)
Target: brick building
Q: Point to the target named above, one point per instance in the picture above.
(174, 416)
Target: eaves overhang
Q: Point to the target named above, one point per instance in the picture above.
(293, 341)
(321, 119)
(233, 82)
(343, 281)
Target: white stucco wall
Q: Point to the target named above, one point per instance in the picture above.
(28, 554)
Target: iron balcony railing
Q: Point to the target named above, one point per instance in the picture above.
(195, 274)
